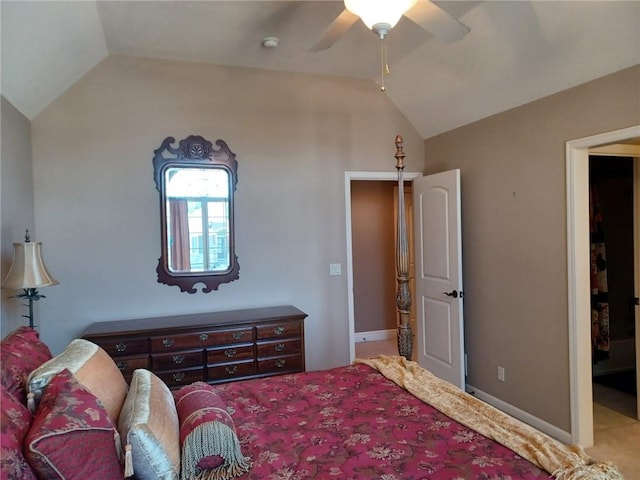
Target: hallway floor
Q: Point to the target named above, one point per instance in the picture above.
(616, 431)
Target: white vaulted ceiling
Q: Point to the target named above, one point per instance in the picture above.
(516, 52)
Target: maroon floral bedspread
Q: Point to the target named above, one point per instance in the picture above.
(353, 423)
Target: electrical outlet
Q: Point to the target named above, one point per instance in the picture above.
(501, 374)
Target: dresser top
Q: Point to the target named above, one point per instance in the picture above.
(196, 320)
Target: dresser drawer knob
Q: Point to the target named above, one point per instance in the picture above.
(121, 347)
(280, 362)
(280, 347)
(230, 352)
(179, 376)
(278, 330)
(122, 365)
(237, 335)
(231, 369)
(168, 342)
(178, 359)
(204, 337)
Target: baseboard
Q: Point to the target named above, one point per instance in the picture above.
(375, 335)
(551, 430)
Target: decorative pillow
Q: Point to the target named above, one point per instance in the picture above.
(72, 436)
(15, 420)
(21, 352)
(92, 367)
(210, 446)
(149, 428)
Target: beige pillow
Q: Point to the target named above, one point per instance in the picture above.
(149, 429)
(92, 367)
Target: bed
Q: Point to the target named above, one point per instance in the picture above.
(369, 421)
(380, 418)
(352, 422)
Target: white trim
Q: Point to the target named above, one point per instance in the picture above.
(348, 177)
(375, 335)
(535, 422)
(578, 272)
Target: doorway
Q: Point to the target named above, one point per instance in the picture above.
(612, 222)
(578, 274)
(387, 177)
(374, 302)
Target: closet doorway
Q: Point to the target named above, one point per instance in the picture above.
(612, 224)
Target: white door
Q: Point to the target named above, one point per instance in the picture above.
(438, 260)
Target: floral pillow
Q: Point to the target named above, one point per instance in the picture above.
(15, 420)
(210, 446)
(72, 436)
(21, 352)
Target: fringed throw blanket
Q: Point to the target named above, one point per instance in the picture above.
(562, 461)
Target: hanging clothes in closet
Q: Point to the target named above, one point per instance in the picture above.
(599, 287)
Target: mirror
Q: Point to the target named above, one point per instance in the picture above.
(196, 183)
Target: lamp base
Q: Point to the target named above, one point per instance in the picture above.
(32, 295)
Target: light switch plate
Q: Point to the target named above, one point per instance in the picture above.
(335, 269)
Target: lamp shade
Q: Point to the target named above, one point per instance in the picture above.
(27, 269)
(374, 12)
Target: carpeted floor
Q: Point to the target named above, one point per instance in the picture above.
(622, 381)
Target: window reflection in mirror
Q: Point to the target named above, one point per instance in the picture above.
(197, 182)
(197, 219)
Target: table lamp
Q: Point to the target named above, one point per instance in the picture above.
(28, 272)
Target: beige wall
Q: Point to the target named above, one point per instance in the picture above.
(514, 236)
(96, 205)
(373, 243)
(17, 205)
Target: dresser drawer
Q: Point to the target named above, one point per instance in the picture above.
(280, 365)
(121, 346)
(129, 363)
(278, 330)
(178, 378)
(280, 348)
(184, 341)
(175, 360)
(230, 353)
(231, 371)
(231, 336)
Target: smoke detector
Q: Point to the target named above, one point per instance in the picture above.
(270, 42)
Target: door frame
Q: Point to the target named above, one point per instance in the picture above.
(348, 178)
(578, 275)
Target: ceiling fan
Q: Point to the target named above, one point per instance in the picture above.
(382, 15)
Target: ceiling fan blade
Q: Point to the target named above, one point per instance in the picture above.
(436, 21)
(335, 30)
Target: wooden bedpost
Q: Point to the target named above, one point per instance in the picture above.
(403, 297)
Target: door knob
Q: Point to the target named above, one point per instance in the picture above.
(453, 293)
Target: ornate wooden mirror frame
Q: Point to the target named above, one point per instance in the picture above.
(197, 246)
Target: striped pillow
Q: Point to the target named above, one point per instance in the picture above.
(149, 427)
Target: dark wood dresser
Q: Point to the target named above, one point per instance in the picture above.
(212, 347)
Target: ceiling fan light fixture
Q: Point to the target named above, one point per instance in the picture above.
(383, 14)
